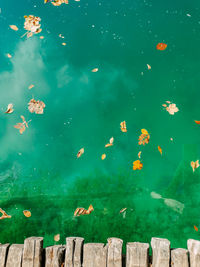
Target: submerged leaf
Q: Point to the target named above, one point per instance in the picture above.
(36, 106)
(57, 237)
(196, 228)
(197, 122)
(95, 70)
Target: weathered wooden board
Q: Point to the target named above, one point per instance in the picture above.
(54, 256)
(137, 254)
(94, 255)
(32, 254)
(160, 252)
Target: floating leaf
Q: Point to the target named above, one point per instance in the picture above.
(32, 25)
(196, 228)
(95, 70)
(4, 215)
(57, 237)
(110, 142)
(36, 106)
(160, 150)
(82, 211)
(14, 27)
(27, 213)
(122, 210)
(139, 154)
(9, 109)
(103, 156)
(81, 151)
(171, 108)
(31, 86)
(161, 46)
(123, 126)
(144, 137)
(194, 165)
(21, 126)
(148, 66)
(197, 122)
(137, 165)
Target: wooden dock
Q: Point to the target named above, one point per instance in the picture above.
(76, 253)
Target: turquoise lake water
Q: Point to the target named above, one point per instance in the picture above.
(40, 171)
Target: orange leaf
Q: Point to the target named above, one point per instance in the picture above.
(197, 122)
(57, 237)
(161, 46)
(27, 213)
(160, 150)
(137, 165)
(196, 228)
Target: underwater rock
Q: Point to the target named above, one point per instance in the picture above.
(32, 254)
(194, 251)
(54, 256)
(94, 255)
(160, 252)
(137, 254)
(114, 257)
(73, 253)
(179, 258)
(3, 254)
(15, 256)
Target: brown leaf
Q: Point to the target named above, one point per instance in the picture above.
(4, 215)
(82, 211)
(9, 109)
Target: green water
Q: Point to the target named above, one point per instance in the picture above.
(39, 170)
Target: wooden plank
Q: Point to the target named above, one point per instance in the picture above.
(32, 254)
(194, 252)
(15, 254)
(179, 258)
(114, 256)
(94, 255)
(3, 254)
(160, 252)
(73, 252)
(78, 251)
(54, 256)
(137, 254)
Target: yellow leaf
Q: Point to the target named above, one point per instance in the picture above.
(103, 156)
